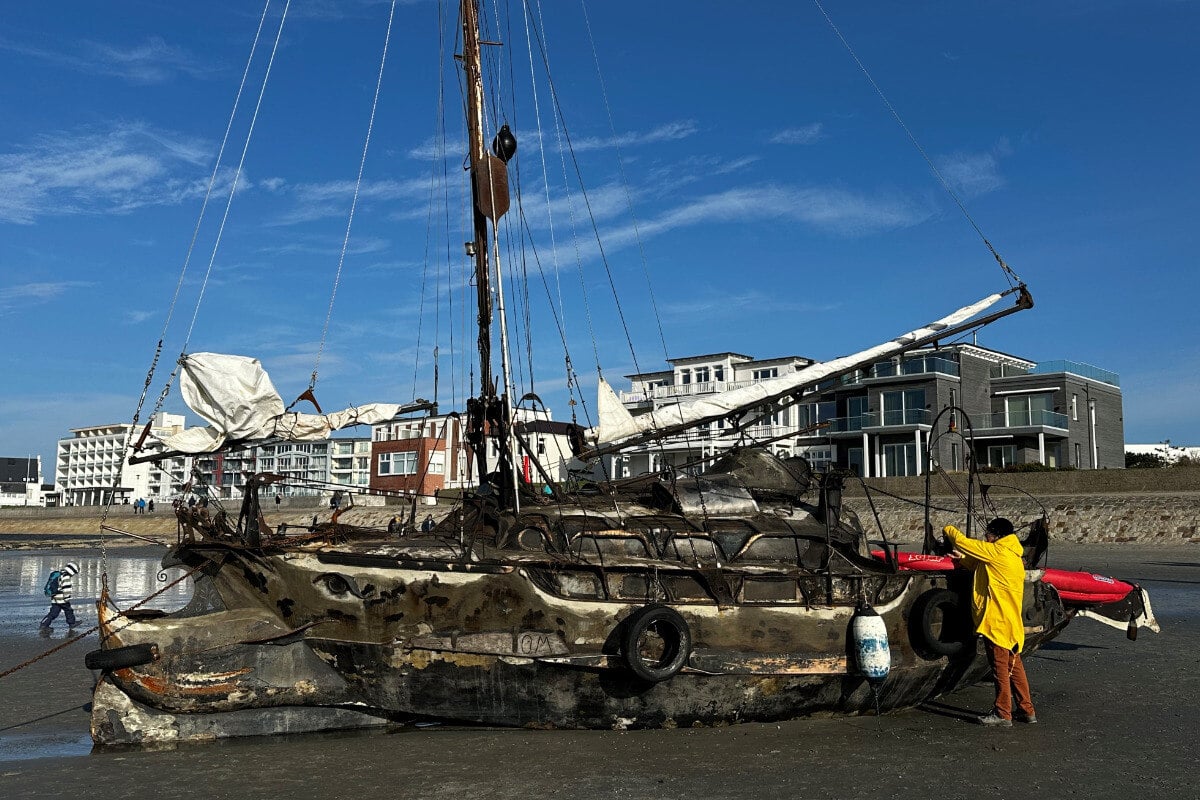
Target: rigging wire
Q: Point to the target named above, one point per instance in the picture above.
(312, 382)
(117, 478)
(687, 434)
(1008, 272)
(236, 177)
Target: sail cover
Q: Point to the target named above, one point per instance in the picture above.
(235, 395)
(614, 428)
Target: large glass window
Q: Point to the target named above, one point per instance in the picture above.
(1027, 409)
(809, 414)
(763, 374)
(1000, 456)
(854, 459)
(404, 463)
(702, 374)
(900, 459)
(905, 407)
(856, 412)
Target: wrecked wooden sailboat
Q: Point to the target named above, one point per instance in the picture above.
(739, 590)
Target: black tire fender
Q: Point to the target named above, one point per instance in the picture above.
(938, 624)
(676, 638)
(133, 655)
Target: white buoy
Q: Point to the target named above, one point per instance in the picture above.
(868, 636)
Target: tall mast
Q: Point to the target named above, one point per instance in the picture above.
(489, 196)
(478, 154)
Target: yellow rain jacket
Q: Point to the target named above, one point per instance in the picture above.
(999, 588)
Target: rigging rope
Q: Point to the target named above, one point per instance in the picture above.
(354, 202)
(1008, 272)
(117, 478)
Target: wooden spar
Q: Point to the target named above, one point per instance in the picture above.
(1024, 301)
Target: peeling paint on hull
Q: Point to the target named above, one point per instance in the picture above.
(283, 643)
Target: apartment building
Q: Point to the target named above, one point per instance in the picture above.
(423, 455)
(92, 465)
(877, 421)
(309, 469)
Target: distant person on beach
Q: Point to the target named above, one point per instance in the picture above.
(58, 589)
(150, 506)
(427, 525)
(394, 525)
(998, 593)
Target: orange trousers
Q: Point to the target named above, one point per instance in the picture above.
(1008, 673)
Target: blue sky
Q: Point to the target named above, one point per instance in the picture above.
(740, 160)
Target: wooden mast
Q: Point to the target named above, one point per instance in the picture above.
(478, 156)
(489, 196)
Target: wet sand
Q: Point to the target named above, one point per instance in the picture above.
(1117, 719)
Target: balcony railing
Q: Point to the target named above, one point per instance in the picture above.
(1080, 369)
(1035, 418)
(923, 365)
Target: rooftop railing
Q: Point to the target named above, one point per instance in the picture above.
(1080, 369)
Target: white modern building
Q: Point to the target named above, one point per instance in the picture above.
(307, 469)
(93, 464)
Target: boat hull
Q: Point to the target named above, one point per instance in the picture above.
(494, 646)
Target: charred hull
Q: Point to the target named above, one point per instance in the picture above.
(323, 636)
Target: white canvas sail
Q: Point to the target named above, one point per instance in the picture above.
(235, 395)
(614, 429)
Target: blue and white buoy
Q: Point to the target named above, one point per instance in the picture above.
(869, 639)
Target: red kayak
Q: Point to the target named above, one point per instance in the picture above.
(1073, 587)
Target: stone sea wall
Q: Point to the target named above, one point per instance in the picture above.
(1152, 506)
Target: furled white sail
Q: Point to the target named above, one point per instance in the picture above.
(235, 395)
(614, 429)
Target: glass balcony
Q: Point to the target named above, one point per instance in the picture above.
(1035, 418)
(1080, 369)
(922, 365)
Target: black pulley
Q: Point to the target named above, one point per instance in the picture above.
(505, 144)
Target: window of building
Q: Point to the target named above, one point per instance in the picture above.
(403, 463)
(719, 372)
(1075, 407)
(1078, 456)
(1000, 456)
(685, 376)
(900, 459)
(702, 374)
(856, 412)
(1027, 409)
(854, 460)
(437, 463)
(906, 407)
(763, 374)
(818, 457)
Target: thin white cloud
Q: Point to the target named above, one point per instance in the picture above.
(138, 317)
(831, 210)
(670, 132)
(93, 172)
(149, 62)
(35, 293)
(806, 134)
(431, 148)
(315, 201)
(974, 174)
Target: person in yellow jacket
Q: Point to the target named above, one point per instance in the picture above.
(999, 590)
